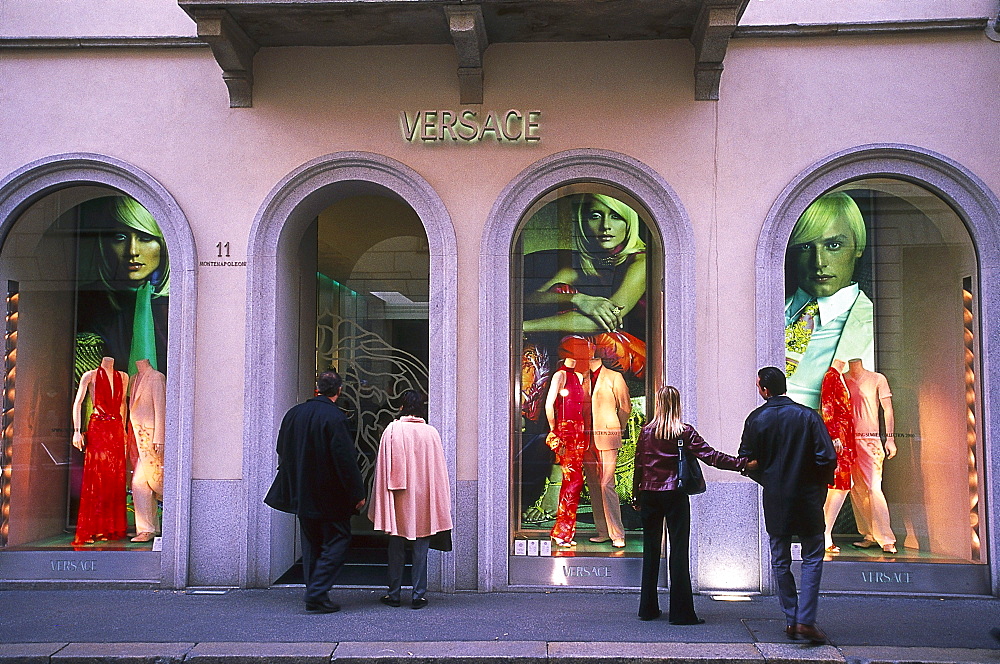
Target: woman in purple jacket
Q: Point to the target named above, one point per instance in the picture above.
(659, 499)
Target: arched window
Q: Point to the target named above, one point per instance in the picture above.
(583, 300)
(883, 336)
(85, 276)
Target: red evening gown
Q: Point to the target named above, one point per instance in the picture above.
(102, 514)
(572, 414)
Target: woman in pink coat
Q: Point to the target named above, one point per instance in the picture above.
(410, 497)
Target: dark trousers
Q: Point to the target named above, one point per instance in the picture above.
(674, 508)
(324, 549)
(397, 552)
(798, 606)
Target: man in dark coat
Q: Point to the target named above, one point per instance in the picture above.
(796, 461)
(318, 480)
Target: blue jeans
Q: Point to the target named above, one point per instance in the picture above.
(799, 607)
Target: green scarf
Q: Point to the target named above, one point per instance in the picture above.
(143, 331)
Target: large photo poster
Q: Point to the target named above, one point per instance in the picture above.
(584, 273)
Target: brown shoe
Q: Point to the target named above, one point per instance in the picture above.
(791, 632)
(811, 633)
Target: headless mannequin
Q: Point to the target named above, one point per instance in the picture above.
(146, 419)
(610, 409)
(869, 392)
(839, 418)
(86, 382)
(572, 398)
(102, 513)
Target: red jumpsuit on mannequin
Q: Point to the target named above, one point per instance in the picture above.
(568, 409)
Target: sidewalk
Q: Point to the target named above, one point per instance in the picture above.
(254, 626)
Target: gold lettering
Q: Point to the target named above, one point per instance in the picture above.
(448, 120)
(490, 125)
(428, 129)
(506, 125)
(467, 125)
(531, 123)
(409, 131)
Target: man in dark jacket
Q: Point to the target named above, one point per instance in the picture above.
(318, 480)
(796, 461)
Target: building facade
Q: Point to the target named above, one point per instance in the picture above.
(234, 195)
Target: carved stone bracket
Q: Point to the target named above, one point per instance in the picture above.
(234, 52)
(712, 31)
(468, 32)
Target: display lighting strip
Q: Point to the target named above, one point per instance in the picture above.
(970, 414)
(7, 417)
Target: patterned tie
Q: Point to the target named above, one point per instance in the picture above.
(797, 335)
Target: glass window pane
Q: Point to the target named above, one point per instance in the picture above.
(580, 294)
(882, 335)
(87, 283)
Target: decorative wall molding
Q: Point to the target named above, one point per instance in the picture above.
(468, 32)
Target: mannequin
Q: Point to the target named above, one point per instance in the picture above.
(102, 514)
(838, 415)
(146, 418)
(610, 408)
(567, 407)
(869, 391)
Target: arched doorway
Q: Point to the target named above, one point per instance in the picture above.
(357, 246)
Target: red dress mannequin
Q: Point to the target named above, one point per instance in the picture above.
(102, 514)
(838, 415)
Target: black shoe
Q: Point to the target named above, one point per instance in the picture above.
(651, 616)
(325, 606)
(389, 601)
(419, 603)
(696, 621)
(995, 633)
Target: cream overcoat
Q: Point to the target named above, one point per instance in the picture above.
(410, 496)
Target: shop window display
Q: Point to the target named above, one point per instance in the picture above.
(88, 280)
(881, 332)
(581, 275)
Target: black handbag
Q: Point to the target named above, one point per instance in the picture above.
(689, 476)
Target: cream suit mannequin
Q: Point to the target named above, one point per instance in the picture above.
(147, 416)
(870, 391)
(610, 408)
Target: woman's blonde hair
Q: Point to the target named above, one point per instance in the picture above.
(633, 243)
(666, 422)
(129, 212)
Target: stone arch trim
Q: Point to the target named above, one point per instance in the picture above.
(31, 182)
(669, 218)
(975, 204)
(288, 208)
